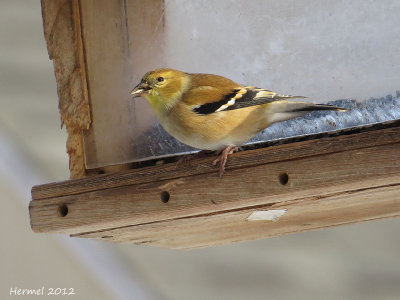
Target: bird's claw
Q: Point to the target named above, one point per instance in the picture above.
(222, 159)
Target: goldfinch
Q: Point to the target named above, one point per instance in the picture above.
(211, 112)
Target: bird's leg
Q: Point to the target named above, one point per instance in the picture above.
(223, 158)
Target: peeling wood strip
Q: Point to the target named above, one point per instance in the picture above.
(203, 166)
(62, 30)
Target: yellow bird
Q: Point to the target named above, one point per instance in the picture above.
(211, 112)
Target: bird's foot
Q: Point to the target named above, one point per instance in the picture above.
(223, 158)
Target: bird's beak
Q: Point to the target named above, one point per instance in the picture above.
(141, 89)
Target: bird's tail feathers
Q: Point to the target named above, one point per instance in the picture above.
(282, 110)
(307, 107)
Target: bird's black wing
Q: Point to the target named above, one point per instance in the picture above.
(240, 98)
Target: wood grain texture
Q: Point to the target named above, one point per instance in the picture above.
(122, 40)
(329, 180)
(105, 36)
(62, 30)
(303, 214)
(203, 166)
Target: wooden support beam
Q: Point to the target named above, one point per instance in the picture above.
(313, 184)
(63, 34)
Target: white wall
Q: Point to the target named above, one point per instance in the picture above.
(325, 50)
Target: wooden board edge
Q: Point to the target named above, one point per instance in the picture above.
(243, 159)
(202, 194)
(301, 215)
(62, 30)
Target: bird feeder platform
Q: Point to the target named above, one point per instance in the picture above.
(292, 185)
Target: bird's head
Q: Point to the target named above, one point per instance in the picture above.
(162, 87)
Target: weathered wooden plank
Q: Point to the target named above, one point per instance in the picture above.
(62, 30)
(302, 214)
(105, 35)
(119, 38)
(203, 166)
(308, 176)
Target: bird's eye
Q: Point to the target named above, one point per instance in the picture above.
(160, 79)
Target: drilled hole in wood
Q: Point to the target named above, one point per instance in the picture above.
(63, 210)
(164, 196)
(283, 178)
